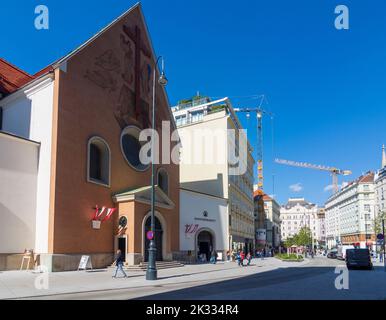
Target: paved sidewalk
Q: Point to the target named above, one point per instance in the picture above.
(22, 284)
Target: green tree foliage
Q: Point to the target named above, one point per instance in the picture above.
(304, 238)
(378, 222)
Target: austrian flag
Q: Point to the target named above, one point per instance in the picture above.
(100, 211)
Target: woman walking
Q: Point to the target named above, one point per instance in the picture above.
(119, 264)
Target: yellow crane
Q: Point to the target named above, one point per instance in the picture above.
(259, 147)
(335, 172)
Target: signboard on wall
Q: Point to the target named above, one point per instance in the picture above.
(261, 235)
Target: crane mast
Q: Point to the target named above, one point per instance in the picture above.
(259, 148)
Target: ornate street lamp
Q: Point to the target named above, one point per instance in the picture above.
(151, 272)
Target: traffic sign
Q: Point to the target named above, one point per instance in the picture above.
(380, 236)
(150, 235)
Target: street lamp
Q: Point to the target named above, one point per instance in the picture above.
(151, 272)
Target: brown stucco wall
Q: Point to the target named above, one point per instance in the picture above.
(86, 106)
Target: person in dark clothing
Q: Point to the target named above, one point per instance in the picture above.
(119, 264)
(213, 258)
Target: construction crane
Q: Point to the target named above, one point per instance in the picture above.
(335, 172)
(259, 115)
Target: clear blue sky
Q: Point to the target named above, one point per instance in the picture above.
(326, 87)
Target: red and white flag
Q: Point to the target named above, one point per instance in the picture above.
(109, 213)
(98, 212)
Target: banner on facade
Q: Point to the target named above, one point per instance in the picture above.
(261, 236)
(190, 230)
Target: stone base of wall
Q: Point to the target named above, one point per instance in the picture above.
(190, 257)
(12, 261)
(70, 262)
(133, 258)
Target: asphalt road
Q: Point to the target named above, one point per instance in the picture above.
(313, 281)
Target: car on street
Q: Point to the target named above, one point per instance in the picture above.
(333, 254)
(342, 249)
(358, 258)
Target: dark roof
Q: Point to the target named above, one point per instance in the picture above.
(11, 77)
(302, 202)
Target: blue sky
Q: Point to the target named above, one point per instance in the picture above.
(327, 88)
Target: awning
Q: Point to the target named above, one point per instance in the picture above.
(143, 195)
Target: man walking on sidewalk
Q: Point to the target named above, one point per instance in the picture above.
(119, 264)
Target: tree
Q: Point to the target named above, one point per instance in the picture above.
(289, 242)
(378, 222)
(303, 237)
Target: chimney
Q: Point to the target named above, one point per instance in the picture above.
(383, 157)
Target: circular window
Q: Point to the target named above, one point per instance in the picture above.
(122, 222)
(131, 146)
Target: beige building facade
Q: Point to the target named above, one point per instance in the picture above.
(205, 123)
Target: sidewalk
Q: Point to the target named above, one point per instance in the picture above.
(21, 284)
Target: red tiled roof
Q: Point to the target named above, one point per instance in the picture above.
(261, 193)
(43, 71)
(11, 77)
(369, 177)
(257, 193)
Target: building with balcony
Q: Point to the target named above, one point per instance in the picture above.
(350, 214)
(380, 186)
(272, 221)
(212, 138)
(297, 214)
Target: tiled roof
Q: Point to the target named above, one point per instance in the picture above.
(11, 77)
(257, 193)
(368, 178)
(267, 197)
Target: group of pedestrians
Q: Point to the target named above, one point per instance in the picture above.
(241, 257)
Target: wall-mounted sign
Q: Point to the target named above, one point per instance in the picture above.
(261, 235)
(150, 235)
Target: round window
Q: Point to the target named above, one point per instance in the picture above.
(131, 146)
(122, 222)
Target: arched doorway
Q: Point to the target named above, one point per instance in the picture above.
(204, 244)
(158, 233)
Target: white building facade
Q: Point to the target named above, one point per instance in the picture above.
(27, 115)
(350, 214)
(272, 222)
(321, 228)
(380, 185)
(206, 149)
(297, 214)
(203, 226)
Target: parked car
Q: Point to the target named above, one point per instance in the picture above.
(333, 254)
(342, 249)
(358, 258)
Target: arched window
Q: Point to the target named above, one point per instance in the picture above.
(98, 166)
(163, 180)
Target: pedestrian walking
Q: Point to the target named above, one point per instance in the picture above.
(119, 264)
(213, 258)
(249, 258)
(381, 256)
(242, 258)
(238, 259)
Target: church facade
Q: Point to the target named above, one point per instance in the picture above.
(89, 193)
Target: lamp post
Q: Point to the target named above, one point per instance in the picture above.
(151, 272)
